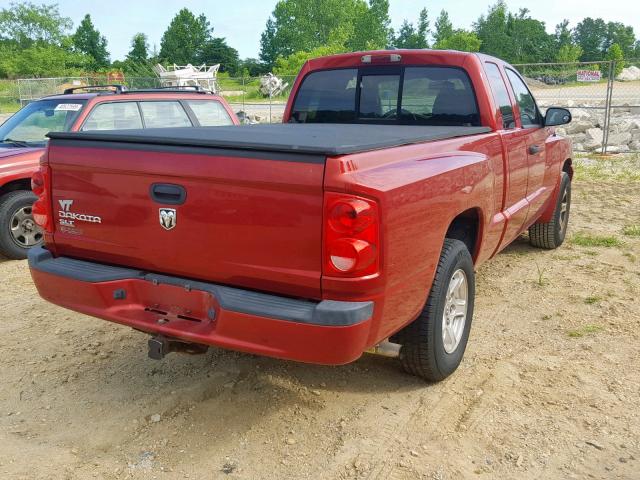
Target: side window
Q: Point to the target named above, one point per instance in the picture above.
(113, 116)
(209, 113)
(528, 111)
(164, 114)
(500, 95)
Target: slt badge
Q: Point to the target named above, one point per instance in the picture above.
(168, 218)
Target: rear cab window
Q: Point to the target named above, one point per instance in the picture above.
(428, 95)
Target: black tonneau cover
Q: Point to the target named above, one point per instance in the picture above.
(322, 139)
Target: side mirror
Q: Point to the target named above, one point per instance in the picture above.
(556, 116)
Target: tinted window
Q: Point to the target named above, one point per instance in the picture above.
(438, 96)
(430, 96)
(327, 97)
(500, 95)
(34, 121)
(379, 96)
(164, 114)
(113, 116)
(528, 110)
(209, 113)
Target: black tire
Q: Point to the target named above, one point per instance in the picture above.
(11, 203)
(423, 351)
(551, 235)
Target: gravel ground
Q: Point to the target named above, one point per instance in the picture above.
(549, 387)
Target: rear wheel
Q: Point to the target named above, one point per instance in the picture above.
(551, 234)
(434, 343)
(18, 230)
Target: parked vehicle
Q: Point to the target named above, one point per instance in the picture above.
(23, 140)
(356, 225)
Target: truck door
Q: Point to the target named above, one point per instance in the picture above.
(516, 166)
(531, 123)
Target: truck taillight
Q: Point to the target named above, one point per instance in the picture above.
(351, 236)
(41, 185)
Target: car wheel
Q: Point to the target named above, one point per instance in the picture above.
(434, 343)
(18, 230)
(551, 234)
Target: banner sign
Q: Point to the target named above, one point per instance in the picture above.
(588, 75)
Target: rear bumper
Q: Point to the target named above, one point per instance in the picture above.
(325, 332)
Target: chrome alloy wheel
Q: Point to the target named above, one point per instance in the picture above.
(24, 230)
(454, 316)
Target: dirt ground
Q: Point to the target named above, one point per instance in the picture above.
(549, 387)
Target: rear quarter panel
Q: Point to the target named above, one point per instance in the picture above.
(420, 189)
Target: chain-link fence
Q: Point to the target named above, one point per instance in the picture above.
(603, 97)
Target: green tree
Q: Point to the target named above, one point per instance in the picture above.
(25, 24)
(591, 34)
(87, 40)
(460, 40)
(492, 31)
(215, 51)
(410, 36)
(304, 25)
(562, 35)
(517, 38)
(185, 39)
(139, 48)
(615, 53)
(292, 64)
(568, 53)
(269, 48)
(372, 27)
(621, 34)
(530, 42)
(444, 28)
(252, 67)
(42, 60)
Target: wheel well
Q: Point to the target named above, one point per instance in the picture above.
(568, 167)
(22, 184)
(465, 228)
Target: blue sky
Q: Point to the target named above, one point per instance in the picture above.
(242, 21)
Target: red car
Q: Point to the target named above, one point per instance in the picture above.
(356, 225)
(22, 140)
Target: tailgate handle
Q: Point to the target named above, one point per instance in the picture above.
(168, 193)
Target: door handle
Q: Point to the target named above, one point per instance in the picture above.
(168, 193)
(534, 149)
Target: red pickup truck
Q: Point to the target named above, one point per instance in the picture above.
(23, 141)
(355, 225)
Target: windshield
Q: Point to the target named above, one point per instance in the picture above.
(401, 95)
(29, 126)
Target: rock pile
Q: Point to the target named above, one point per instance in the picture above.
(586, 129)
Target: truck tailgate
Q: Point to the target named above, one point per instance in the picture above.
(248, 218)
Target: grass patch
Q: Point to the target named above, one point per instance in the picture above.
(592, 299)
(542, 280)
(630, 256)
(584, 330)
(583, 239)
(631, 230)
(595, 167)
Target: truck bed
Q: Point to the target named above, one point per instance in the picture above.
(313, 139)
